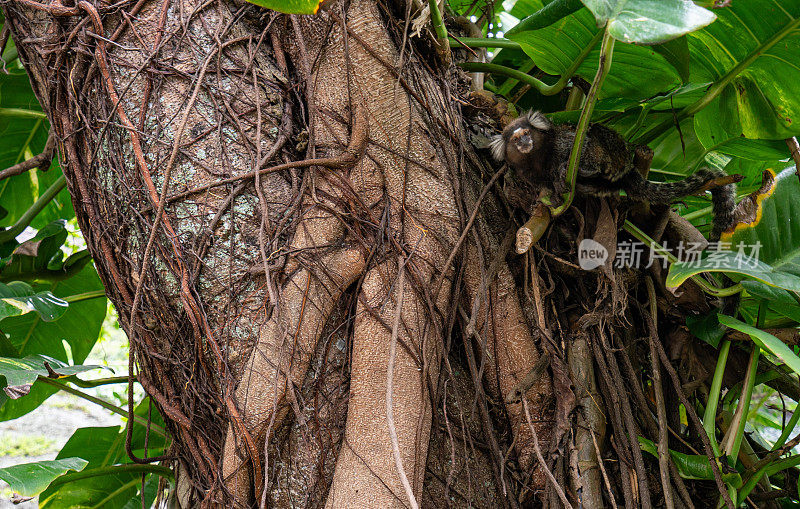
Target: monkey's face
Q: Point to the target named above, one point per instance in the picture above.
(521, 140)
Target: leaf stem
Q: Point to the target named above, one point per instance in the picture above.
(606, 51)
(526, 78)
(108, 406)
(709, 417)
(716, 89)
(22, 113)
(437, 21)
(34, 209)
(94, 294)
(482, 42)
(128, 468)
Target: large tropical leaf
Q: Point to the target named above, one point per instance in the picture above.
(79, 328)
(636, 72)
(30, 479)
(649, 21)
(761, 37)
(24, 129)
(18, 298)
(765, 247)
(103, 447)
(20, 374)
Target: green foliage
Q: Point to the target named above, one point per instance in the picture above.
(25, 371)
(30, 479)
(701, 88)
(52, 308)
(290, 6)
(104, 449)
(649, 21)
(18, 298)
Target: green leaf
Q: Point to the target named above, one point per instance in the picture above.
(764, 246)
(706, 327)
(103, 447)
(18, 298)
(30, 479)
(636, 72)
(690, 466)
(649, 21)
(791, 311)
(731, 263)
(762, 37)
(773, 225)
(79, 327)
(24, 128)
(545, 15)
(676, 52)
(766, 341)
(290, 6)
(18, 372)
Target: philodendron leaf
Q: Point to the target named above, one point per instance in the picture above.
(290, 6)
(79, 328)
(732, 263)
(636, 72)
(771, 220)
(649, 21)
(23, 372)
(690, 466)
(764, 245)
(752, 50)
(30, 479)
(766, 341)
(18, 298)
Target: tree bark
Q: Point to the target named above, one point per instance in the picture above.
(250, 185)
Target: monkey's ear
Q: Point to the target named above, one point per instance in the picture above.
(539, 121)
(498, 147)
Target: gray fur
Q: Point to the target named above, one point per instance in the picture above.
(498, 147)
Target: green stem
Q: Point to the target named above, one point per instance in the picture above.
(768, 469)
(95, 294)
(481, 42)
(108, 406)
(128, 468)
(716, 89)
(788, 429)
(657, 248)
(539, 85)
(606, 51)
(21, 112)
(510, 83)
(710, 415)
(34, 209)
(88, 384)
(743, 408)
(437, 21)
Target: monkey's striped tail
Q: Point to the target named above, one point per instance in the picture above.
(721, 185)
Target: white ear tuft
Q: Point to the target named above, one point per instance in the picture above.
(498, 147)
(539, 121)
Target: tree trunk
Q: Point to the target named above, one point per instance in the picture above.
(285, 212)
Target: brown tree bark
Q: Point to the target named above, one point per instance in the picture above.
(251, 186)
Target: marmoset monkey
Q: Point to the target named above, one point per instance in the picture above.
(538, 151)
